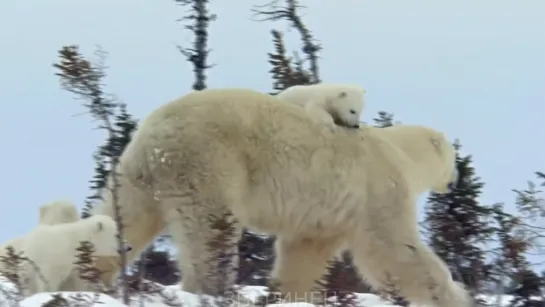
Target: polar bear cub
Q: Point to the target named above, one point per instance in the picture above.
(58, 212)
(329, 103)
(55, 212)
(52, 248)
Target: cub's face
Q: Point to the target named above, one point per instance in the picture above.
(104, 237)
(348, 106)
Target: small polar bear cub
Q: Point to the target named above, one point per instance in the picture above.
(329, 103)
(52, 250)
(52, 213)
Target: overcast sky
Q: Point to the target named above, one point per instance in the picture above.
(473, 69)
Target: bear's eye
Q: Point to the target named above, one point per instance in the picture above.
(353, 111)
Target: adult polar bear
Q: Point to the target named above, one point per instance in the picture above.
(278, 172)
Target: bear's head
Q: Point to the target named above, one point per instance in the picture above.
(431, 154)
(346, 105)
(102, 233)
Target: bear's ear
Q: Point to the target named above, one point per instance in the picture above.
(436, 142)
(342, 95)
(100, 226)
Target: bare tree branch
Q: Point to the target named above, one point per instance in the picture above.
(290, 12)
(85, 79)
(285, 72)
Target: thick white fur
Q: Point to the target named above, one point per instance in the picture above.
(64, 211)
(55, 212)
(58, 212)
(52, 250)
(417, 143)
(328, 103)
(278, 172)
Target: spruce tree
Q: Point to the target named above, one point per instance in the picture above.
(527, 237)
(529, 290)
(285, 71)
(124, 125)
(511, 264)
(85, 79)
(384, 119)
(80, 76)
(530, 204)
(457, 225)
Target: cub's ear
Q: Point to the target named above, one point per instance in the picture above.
(100, 226)
(342, 95)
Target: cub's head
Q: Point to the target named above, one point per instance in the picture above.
(58, 212)
(346, 104)
(102, 232)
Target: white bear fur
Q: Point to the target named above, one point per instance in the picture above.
(58, 212)
(412, 140)
(64, 211)
(328, 103)
(319, 190)
(55, 212)
(52, 250)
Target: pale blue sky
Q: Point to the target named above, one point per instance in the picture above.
(474, 69)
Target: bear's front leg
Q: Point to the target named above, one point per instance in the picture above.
(45, 280)
(320, 115)
(299, 264)
(389, 254)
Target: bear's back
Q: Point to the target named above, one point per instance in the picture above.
(234, 117)
(301, 95)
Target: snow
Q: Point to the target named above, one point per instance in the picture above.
(248, 294)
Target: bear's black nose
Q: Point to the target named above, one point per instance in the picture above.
(356, 126)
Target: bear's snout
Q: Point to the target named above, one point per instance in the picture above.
(127, 247)
(356, 126)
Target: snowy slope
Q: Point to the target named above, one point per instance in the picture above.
(186, 299)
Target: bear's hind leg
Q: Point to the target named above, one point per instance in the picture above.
(192, 232)
(299, 264)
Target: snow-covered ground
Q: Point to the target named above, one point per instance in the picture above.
(176, 297)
